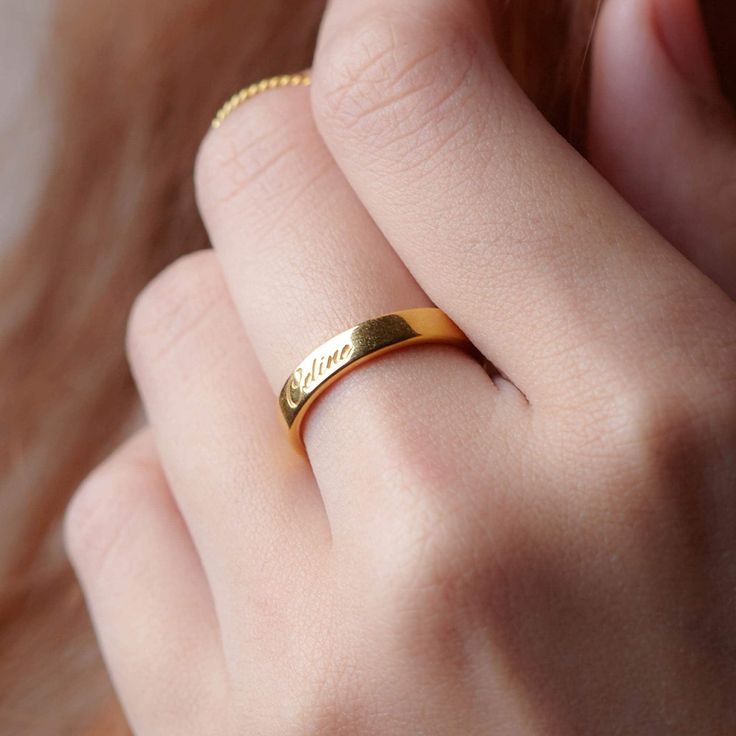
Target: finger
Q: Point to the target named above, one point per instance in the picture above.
(500, 221)
(661, 131)
(304, 262)
(146, 591)
(253, 510)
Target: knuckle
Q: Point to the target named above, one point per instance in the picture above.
(97, 520)
(172, 305)
(440, 586)
(262, 139)
(385, 78)
(429, 562)
(333, 702)
(656, 436)
(439, 569)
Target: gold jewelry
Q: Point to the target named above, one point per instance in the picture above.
(346, 351)
(302, 79)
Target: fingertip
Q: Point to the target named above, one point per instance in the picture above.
(681, 32)
(651, 67)
(659, 128)
(629, 68)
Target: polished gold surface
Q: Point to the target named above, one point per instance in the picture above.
(286, 80)
(361, 343)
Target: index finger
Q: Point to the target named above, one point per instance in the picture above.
(503, 224)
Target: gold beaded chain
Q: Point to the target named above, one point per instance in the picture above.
(302, 79)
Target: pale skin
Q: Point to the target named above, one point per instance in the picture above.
(547, 552)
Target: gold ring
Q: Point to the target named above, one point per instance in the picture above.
(303, 79)
(339, 355)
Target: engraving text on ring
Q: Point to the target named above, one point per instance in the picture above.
(320, 367)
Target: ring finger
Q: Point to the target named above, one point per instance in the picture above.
(305, 261)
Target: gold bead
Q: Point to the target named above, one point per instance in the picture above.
(284, 80)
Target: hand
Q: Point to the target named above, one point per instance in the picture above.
(547, 551)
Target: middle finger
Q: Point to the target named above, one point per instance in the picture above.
(550, 273)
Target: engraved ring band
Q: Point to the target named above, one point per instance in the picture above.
(370, 339)
(338, 356)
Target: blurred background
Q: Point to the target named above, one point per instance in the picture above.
(24, 128)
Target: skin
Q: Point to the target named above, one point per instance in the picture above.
(548, 550)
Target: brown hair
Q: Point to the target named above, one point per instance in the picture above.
(134, 86)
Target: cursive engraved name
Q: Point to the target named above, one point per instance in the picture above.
(302, 379)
